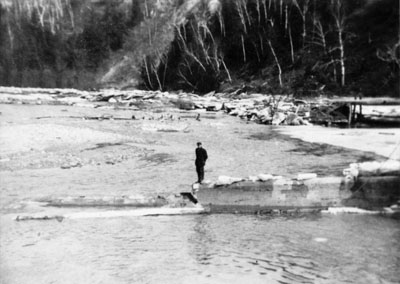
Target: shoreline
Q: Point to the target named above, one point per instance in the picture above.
(381, 141)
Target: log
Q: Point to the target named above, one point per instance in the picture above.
(113, 214)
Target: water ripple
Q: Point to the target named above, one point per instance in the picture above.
(207, 248)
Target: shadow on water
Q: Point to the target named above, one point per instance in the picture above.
(339, 157)
(266, 136)
(269, 134)
(104, 145)
(308, 148)
(167, 130)
(159, 158)
(322, 159)
(317, 149)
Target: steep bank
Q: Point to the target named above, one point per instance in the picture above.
(290, 47)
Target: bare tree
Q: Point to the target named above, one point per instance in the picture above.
(319, 39)
(391, 54)
(49, 12)
(277, 63)
(339, 16)
(303, 13)
(291, 45)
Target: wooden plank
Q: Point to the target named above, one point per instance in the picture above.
(368, 101)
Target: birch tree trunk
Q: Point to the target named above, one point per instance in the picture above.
(277, 63)
(342, 65)
(303, 13)
(340, 19)
(291, 45)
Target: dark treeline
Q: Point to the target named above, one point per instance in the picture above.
(59, 43)
(304, 47)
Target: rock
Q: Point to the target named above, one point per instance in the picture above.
(265, 177)
(265, 115)
(242, 113)
(234, 112)
(214, 106)
(71, 165)
(351, 172)
(278, 118)
(226, 180)
(112, 100)
(389, 167)
(254, 178)
(229, 107)
(195, 187)
(304, 176)
(284, 106)
(292, 119)
(296, 121)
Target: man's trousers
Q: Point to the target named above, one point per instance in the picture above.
(200, 173)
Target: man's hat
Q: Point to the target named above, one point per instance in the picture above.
(198, 143)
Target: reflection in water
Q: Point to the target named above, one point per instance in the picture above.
(203, 249)
(248, 246)
(202, 241)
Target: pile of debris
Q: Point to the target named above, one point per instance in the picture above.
(76, 97)
(268, 110)
(260, 108)
(277, 110)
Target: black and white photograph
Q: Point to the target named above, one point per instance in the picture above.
(199, 141)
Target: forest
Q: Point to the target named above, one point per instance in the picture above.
(300, 47)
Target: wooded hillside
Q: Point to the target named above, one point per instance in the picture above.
(304, 47)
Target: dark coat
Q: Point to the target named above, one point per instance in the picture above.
(201, 157)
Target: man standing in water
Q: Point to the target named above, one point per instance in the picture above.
(201, 158)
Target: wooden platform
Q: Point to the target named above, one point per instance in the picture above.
(356, 109)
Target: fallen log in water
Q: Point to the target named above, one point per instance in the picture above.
(112, 214)
(85, 117)
(107, 201)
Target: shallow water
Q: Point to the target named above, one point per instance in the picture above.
(131, 158)
(203, 249)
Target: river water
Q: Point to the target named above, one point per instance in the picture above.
(219, 248)
(215, 248)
